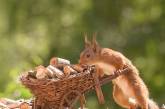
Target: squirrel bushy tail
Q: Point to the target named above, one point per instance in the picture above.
(152, 105)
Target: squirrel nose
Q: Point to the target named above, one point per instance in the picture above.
(80, 61)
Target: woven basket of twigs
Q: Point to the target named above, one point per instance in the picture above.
(59, 93)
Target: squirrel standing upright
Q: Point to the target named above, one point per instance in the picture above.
(129, 90)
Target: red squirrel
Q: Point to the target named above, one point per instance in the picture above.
(129, 90)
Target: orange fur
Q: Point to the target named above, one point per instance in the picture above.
(126, 87)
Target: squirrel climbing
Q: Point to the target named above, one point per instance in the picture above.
(129, 90)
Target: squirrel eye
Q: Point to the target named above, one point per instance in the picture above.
(88, 55)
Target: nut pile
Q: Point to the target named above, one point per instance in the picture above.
(58, 68)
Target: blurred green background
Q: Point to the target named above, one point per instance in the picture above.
(33, 31)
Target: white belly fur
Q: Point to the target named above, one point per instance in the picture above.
(108, 69)
(124, 85)
(120, 81)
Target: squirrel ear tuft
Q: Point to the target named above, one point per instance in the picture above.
(87, 43)
(95, 45)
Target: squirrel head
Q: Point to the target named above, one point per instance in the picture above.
(91, 52)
